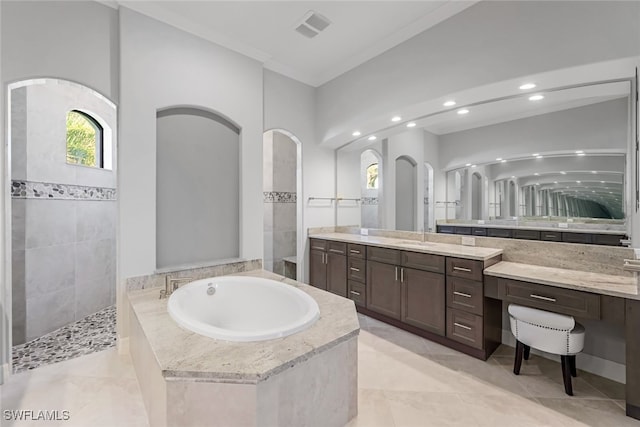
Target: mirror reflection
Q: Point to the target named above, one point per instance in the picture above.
(555, 156)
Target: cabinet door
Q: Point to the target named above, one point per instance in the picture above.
(317, 269)
(383, 288)
(423, 300)
(337, 274)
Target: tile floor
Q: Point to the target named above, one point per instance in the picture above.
(404, 380)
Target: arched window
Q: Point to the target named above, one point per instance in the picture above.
(372, 176)
(84, 140)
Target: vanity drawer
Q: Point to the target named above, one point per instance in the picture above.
(559, 300)
(551, 236)
(463, 230)
(356, 269)
(479, 231)
(465, 295)
(427, 262)
(447, 229)
(576, 237)
(607, 239)
(465, 268)
(356, 251)
(526, 234)
(388, 256)
(464, 327)
(499, 232)
(318, 245)
(357, 293)
(338, 248)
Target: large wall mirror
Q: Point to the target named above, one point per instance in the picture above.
(557, 155)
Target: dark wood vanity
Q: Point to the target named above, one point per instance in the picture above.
(558, 235)
(457, 300)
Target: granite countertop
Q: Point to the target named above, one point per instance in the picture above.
(185, 354)
(446, 249)
(536, 228)
(605, 284)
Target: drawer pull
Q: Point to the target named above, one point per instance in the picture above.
(396, 274)
(355, 269)
(355, 293)
(550, 236)
(461, 294)
(353, 251)
(542, 298)
(336, 251)
(466, 270)
(320, 248)
(460, 325)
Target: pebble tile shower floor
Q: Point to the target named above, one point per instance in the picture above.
(93, 333)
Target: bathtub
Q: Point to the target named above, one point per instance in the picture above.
(234, 308)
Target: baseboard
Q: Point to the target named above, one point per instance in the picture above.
(122, 345)
(587, 362)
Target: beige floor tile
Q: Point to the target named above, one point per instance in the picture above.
(390, 340)
(611, 389)
(423, 409)
(592, 413)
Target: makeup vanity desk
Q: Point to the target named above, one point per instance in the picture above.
(581, 294)
(454, 294)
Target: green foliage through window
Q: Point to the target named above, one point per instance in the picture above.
(372, 176)
(83, 139)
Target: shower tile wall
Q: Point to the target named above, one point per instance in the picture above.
(63, 253)
(280, 159)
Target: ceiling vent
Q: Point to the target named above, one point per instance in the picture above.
(312, 24)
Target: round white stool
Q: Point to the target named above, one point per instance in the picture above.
(549, 332)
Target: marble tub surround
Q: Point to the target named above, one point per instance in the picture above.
(572, 256)
(458, 251)
(188, 379)
(605, 284)
(220, 268)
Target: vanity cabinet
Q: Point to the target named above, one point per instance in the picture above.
(407, 286)
(328, 266)
(357, 274)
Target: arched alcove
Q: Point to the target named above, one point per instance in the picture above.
(197, 187)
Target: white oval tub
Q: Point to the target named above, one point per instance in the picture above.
(242, 308)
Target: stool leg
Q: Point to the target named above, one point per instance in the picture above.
(566, 374)
(517, 363)
(572, 365)
(527, 350)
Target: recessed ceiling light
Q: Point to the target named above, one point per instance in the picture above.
(594, 171)
(503, 161)
(578, 182)
(372, 138)
(538, 156)
(468, 164)
(581, 154)
(513, 176)
(473, 166)
(536, 174)
(601, 182)
(527, 86)
(563, 172)
(396, 118)
(610, 192)
(579, 151)
(356, 133)
(536, 97)
(411, 124)
(449, 103)
(537, 183)
(555, 182)
(593, 191)
(463, 111)
(499, 159)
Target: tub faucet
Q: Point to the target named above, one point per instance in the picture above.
(171, 284)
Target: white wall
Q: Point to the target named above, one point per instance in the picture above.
(161, 67)
(290, 105)
(432, 156)
(472, 49)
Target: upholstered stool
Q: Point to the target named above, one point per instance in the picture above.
(549, 332)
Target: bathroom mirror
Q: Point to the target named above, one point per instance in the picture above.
(557, 155)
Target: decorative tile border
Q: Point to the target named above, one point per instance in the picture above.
(279, 197)
(48, 190)
(369, 200)
(93, 333)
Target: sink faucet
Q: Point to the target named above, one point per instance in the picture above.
(171, 284)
